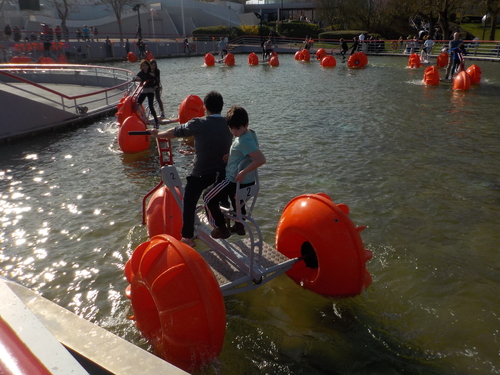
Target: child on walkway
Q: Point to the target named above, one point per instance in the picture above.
(245, 146)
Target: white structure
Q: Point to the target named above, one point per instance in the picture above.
(165, 18)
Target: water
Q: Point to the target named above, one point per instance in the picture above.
(418, 165)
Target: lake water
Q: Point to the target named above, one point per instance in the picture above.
(420, 166)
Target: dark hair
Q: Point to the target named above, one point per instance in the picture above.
(236, 117)
(152, 61)
(147, 62)
(461, 46)
(213, 102)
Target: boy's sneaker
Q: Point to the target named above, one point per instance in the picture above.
(222, 232)
(238, 228)
(188, 241)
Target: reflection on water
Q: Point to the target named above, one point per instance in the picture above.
(418, 165)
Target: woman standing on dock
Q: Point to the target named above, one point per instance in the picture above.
(150, 84)
(159, 88)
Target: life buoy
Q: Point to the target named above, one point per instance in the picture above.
(177, 302)
(394, 45)
(320, 232)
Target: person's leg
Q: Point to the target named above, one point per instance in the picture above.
(212, 199)
(448, 67)
(160, 102)
(151, 102)
(192, 193)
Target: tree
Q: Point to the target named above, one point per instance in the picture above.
(63, 8)
(329, 12)
(118, 7)
(493, 10)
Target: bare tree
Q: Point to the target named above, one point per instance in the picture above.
(118, 6)
(63, 8)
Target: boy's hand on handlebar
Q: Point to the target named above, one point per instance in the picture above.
(153, 132)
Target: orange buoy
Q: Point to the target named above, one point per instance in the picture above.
(320, 231)
(177, 302)
(442, 60)
(126, 108)
(274, 61)
(21, 59)
(298, 55)
(163, 214)
(461, 81)
(229, 59)
(305, 55)
(328, 62)
(474, 72)
(431, 76)
(414, 61)
(149, 56)
(130, 144)
(253, 59)
(131, 57)
(320, 53)
(192, 106)
(209, 59)
(357, 60)
(46, 60)
(61, 59)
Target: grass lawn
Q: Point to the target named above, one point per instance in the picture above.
(477, 29)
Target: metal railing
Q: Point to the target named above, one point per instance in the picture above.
(104, 86)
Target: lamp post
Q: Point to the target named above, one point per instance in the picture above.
(485, 21)
(136, 9)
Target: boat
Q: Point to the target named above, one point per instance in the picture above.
(177, 294)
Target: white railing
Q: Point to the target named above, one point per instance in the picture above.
(107, 84)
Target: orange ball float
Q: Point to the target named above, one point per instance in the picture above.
(442, 60)
(253, 59)
(192, 106)
(61, 59)
(328, 62)
(209, 59)
(274, 61)
(131, 144)
(357, 60)
(131, 57)
(164, 215)
(431, 76)
(414, 61)
(474, 72)
(177, 302)
(308, 228)
(46, 60)
(320, 53)
(461, 81)
(229, 59)
(305, 56)
(298, 55)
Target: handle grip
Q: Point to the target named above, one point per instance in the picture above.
(144, 132)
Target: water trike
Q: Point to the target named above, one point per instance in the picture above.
(177, 293)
